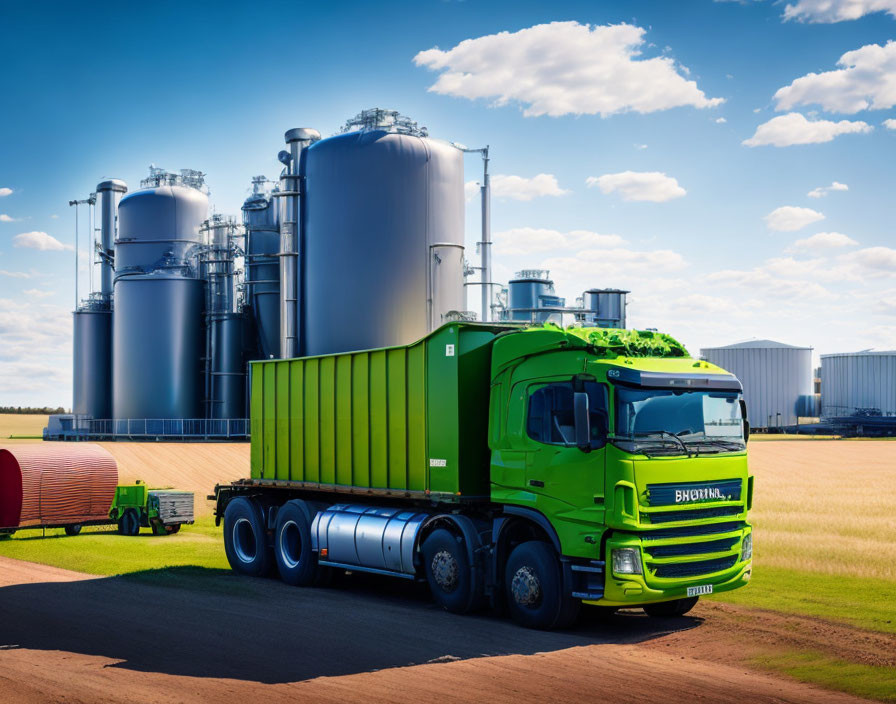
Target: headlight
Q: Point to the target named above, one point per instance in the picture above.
(746, 550)
(626, 561)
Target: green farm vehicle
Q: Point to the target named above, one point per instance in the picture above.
(163, 510)
(528, 468)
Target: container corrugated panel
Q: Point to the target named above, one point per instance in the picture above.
(49, 485)
(852, 382)
(407, 421)
(174, 506)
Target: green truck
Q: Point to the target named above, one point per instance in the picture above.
(528, 468)
(136, 506)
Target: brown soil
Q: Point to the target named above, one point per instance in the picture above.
(150, 645)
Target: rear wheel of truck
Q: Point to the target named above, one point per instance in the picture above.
(669, 609)
(129, 523)
(296, 562)
(171, 530)
(534, 586)
(448, 571)
(73, 529)
(244, 538)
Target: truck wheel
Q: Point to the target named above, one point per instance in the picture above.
(73, 529)
(129, 523)
(448, 571)
(296, 562)
(171, 530)
(534, 587)
(670, 609)
(244, 538)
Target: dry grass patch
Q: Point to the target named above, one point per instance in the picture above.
(21, 424)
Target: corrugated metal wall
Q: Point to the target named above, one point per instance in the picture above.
(777, 380)
(51, 485)
(860, 380)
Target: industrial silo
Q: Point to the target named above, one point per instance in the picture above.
(260, 218)
(158, 332)
(92, 340)
(382, 238)
(777, 379)
(604, 307)
(859, 383)
(530, 296)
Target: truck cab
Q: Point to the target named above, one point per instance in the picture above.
(634, 454)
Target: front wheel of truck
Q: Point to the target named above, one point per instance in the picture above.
(534, 586)
(670, 609)
(244, 538)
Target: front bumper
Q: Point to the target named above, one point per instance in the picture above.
(635, 589)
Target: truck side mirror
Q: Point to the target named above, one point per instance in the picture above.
(583, 421)
(743, 413)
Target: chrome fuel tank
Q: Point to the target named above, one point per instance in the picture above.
(367, 538)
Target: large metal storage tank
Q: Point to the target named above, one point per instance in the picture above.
(383, 239)
(777, 379)
(158, 225)
(605, 306)
(157, 331)
(858, 382)
(531, 290)
(158, 343)
(260, 217)
(92, 355)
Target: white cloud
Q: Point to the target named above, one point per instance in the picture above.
(6, 218)
(619, 260)
(527, 240)
(721, 120)
(828, 11)
(789, 218)
(794, 128)
(824, 190)
(39, 240)
(5, 192)
(639, 185)
(822, 241)
(37, 293)
(15, 274)
(886, 306)
(564, 68)
(54, 217)
(866, 81)
(762, 282)
(876, 261)
(640, 146)
(518, 187)
(890, 124)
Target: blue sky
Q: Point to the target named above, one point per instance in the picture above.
(624, 124)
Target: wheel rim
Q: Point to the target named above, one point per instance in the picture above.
(526, 587)
(290, 544)
(244, 540)
(445, 570)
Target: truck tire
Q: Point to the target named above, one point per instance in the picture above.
(129, 523)
(448, 571)
(244, 538)
(171, 530)
(670, 609)
(534, 587)
(296, 563)
(73, 529)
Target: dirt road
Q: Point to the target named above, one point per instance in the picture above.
(70, 637)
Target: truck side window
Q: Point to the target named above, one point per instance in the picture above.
(551, 418)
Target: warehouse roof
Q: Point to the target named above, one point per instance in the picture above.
(758, 344)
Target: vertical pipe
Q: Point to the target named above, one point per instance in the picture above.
(110, 193)
(486, 242)
(297, 140)
(91, 250)
(75, 203)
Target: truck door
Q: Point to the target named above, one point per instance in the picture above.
(557, 471)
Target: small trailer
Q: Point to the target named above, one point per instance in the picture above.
(162, 510)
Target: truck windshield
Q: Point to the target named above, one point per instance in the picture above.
(666, 421)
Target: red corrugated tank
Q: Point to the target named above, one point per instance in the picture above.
(55, 484)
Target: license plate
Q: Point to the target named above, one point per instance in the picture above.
(699, 591)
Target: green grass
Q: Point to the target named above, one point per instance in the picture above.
(101, 551)
(864, 602)
(831, 673)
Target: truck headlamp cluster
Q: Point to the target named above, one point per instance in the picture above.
(627, 561)
(746, 550)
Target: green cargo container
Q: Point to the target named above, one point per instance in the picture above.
(401, 421)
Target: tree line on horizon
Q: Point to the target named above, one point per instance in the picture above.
(27, 410)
